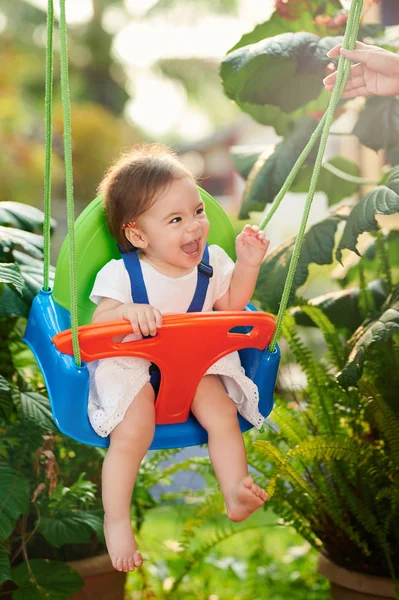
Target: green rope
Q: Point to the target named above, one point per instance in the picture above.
(48, 106)
(344, 65)
(69, 182)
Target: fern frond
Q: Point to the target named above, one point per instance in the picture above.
(298, 521)
(333, 341)
(289, 425)
(331, 449)
(289, 473)
(202, 551)
(387, 422)
(271, 487)
(384, 269)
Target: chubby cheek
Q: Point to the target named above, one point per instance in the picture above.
(206, 225)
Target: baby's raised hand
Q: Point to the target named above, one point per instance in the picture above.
(251, 246)
(144, 318)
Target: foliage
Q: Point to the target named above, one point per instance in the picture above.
(330, 455)
(192, 553)
(50, 507)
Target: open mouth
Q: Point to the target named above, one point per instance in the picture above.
(192, 249)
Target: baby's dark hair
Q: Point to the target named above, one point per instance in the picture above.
(133, 181)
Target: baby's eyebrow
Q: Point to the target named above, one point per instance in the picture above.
(170, 215)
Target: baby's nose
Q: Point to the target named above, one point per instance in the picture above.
(194, 225)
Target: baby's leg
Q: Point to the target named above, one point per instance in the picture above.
(129, 442)
(217, 413)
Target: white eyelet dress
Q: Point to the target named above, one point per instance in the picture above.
(115, 382)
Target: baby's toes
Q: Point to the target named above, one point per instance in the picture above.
(131, 564)
(138, 560)
(118, 564)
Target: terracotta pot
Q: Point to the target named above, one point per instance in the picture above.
(102, 582)
(351, 585)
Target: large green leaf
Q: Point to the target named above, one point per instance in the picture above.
(342, 306)
(14, 499)
(12, 303)
(6, 402)
(383, 200)
(11, 275)
(72, 528)
(335, 187)
(378, 123)
(35, 408)
(11, 238)
(276, 25)
(5, 573)
(22, 216)
(269, 172)
(317, 248)
(45, 579)
(285, 71)
(379, 330)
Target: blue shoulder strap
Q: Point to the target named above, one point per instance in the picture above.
(138, 289)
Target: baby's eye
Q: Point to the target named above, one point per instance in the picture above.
(176, 220)
(199, 211)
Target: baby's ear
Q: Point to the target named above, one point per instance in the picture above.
(135, 237)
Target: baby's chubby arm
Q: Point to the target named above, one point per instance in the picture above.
(143, 318)
(251, 248)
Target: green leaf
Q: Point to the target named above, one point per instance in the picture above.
(243, 158)
(270, 171)
(335, 188)
(317, 248)
(71, 528)
(6, 402)
(11, 274)
(378, 123)
(45, 579)
(342, 306)
(14, 499)
(276, 25)
(285, 71)
(34, 408)
(11, 303)
(383, 200)
(283, 122)
(5, 574)
(379, 330)
(22, 216)
(11, 238)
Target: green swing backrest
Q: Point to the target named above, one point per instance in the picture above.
(95, 247)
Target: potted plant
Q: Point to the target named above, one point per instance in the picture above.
(332, 450)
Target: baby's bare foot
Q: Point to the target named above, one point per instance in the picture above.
(121, 545)
(247, 498)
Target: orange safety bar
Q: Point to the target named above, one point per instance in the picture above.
(184, 348)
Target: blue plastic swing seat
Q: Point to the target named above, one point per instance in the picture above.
(68, 385)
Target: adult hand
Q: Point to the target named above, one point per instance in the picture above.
(251, 246)
(376, 71)
(144, 318)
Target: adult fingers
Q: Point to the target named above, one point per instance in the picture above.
(336, 51)
(359, 91)
(356, 73)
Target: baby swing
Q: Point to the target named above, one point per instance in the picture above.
(186, 345)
